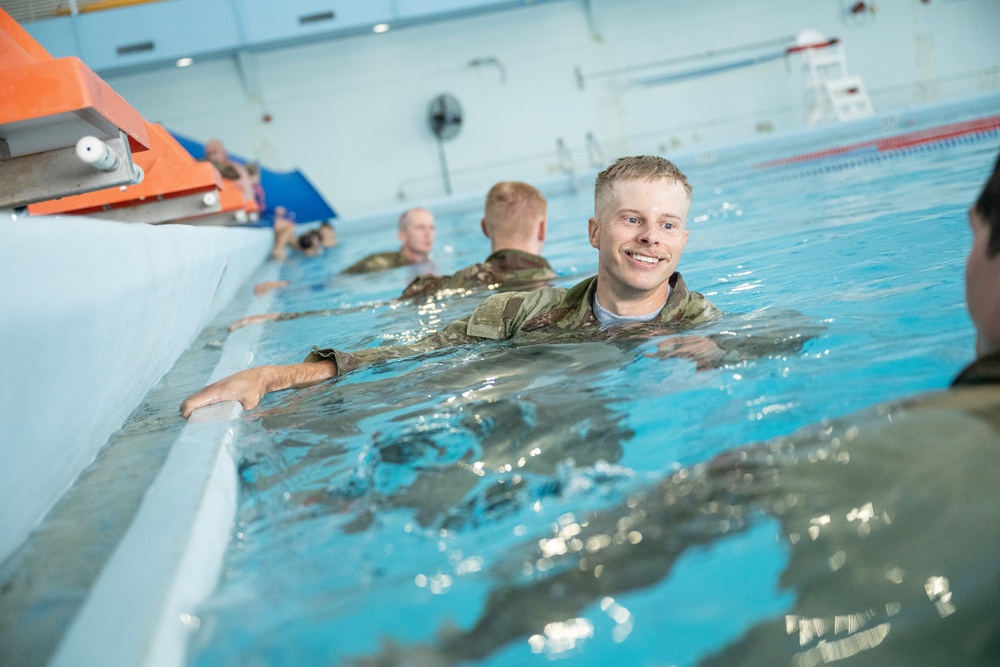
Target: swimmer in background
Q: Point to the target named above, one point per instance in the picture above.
(284, 233)
(416, 233)
(311, 243)
(317, 240)
(888, 517)
(327, 234)
(216, 153)
(514, 220)
(639, 229)
(253, 173)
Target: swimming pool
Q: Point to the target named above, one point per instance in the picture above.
(377, 465)
(439, 508)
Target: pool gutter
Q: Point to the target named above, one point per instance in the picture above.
(142, 608)
(139, 609)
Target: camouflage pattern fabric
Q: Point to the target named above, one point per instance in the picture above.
(378, 262)
(985, 370)
(504, 267)
(551, 314)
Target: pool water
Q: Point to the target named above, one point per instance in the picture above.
(442, 508)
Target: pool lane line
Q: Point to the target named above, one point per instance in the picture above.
(899, 142)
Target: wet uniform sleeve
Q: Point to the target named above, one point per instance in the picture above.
(493, 320)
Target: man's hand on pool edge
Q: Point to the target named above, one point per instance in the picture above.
(249, 386)
(253, 319)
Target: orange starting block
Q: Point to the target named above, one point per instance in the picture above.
(47, 106)
(236, 208)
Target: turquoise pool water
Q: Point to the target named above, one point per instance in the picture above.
(442, 508)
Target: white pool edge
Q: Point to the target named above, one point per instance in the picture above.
(142, 609)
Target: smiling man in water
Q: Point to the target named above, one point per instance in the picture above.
(639, 229)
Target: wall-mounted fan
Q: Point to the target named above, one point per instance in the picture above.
(444, 116)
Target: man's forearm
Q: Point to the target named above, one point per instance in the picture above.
(249, 386)
(299, 375)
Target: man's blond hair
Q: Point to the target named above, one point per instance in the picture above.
(513, 208)
(636, 168)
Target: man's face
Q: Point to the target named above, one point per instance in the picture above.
(417, 235)
(640, 234)
(982, 287)
(215, 152)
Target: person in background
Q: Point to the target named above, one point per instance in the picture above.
(311, 243)
(327, 234)
(416, 233)
(216, 153)
(284, 233)
(514, 221)
(253, 172)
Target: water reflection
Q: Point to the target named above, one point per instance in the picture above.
(892, 546)
(429, 506)
(461, 445)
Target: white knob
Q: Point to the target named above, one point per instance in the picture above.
(97, 154)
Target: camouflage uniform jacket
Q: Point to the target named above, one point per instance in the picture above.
(378, 262)
(985, 370)
(504, 267)
(541, 314)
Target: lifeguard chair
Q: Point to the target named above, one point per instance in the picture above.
(831, 93)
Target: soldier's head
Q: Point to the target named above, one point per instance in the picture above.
(416, 233)
(310, 243)
(636, 168)
(514, 217)
(215, 151)
(327, 234)
(982, 267)
(639, 229)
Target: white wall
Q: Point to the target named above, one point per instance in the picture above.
(93, 314)
(351, 112)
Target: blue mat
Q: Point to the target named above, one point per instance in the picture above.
(290, 189)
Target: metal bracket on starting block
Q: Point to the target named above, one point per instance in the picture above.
(57, 173)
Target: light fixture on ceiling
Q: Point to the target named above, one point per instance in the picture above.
(380, 27)
(185, 62)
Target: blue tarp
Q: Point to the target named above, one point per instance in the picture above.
(290, 189)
